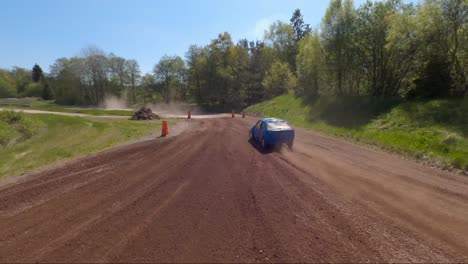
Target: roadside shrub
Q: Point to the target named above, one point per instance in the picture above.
(11, 117)
(7, 133)
(16, 127)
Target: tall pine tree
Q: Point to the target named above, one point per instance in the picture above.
(300, 28)
(37, 73)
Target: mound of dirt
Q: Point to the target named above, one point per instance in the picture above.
(145, 113)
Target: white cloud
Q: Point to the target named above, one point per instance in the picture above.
(263, 24)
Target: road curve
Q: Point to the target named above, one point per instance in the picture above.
(207, 195)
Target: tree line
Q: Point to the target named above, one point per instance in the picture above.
(385, 49)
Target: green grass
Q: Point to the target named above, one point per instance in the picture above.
(53, 138)
(436, 131)
(51, 106)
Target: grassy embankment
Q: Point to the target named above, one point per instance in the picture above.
(434, 131)
(28, 141)
(50, 106)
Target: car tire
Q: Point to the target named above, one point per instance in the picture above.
(264, 145)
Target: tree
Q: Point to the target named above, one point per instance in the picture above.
(46, 91)
(37, 73)
(279, 79)
(67, 81)
(300, 28)
(281, 38)
(22, 79)
(196, 58)
(170, 74)
(260, 61)
(402, 48)
(134, 72)
(95, 74)
(89, 78)
(149, 88)
(33, 90)
(310, 66)
(455, 13)
(338, 29)
(434, 81)
(119, 75)
(7, 84)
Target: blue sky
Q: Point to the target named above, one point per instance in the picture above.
(145, 30)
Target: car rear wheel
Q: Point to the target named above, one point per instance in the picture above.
(264, 145)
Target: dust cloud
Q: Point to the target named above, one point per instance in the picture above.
(174, 108)
(114, 103)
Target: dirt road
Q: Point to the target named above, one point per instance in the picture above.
(207, 195)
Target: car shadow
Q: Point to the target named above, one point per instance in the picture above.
(259, 148)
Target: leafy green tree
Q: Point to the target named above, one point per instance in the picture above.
(33, 90)
(22, 79)
(119, 74)
(197, 58)
(310, 66)
(260, 60)
(338, 31)
(455, 13)
(170, 74)
(46, 91)
(66, 81)
(385, 60)
(134, 74)
(434, 82)
(7, 84)
(402, 49)
(37, 73)
(281, 38)
(279, 80)
(149, 88)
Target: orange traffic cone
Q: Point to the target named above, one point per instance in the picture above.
(189, 115)
(243, 114)
(233, 115)
(165, 129)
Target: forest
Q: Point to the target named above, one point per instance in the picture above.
(381, 49)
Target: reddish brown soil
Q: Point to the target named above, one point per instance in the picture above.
(207, 195)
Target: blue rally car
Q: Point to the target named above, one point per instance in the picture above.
(272, 132)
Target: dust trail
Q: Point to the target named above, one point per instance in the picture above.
(112, 102)
(174, 108)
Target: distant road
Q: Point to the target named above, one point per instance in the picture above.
(165, 115)
(208, 195)
(30, 111)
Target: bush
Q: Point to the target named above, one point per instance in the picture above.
(7, 88)
(16, 127)
(33, 90)
(11, 117)
(7, 133)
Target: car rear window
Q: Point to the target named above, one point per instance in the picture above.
(278, 126)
